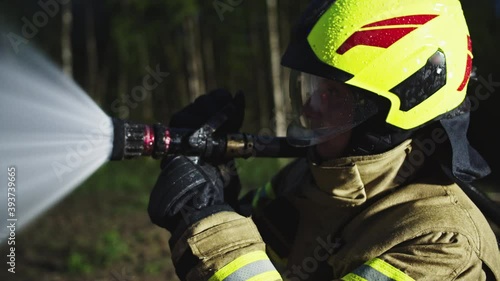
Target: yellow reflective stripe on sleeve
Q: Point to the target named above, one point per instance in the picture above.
(267, 276)
(246, 267)
(233, 266)
(388, 270)
(377, 270)
(353, 277)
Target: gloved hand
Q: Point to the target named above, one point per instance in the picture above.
(199, 112)
(204, 107)
(187, 191)
(183, 189)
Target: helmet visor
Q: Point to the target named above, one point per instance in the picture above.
(322, 109)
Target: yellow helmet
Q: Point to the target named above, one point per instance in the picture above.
(415, 54)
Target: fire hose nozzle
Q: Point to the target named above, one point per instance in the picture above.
(132, 140)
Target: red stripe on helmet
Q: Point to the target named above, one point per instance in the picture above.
(468, 70)
(415, 19)
(383, 38)
(468, 67)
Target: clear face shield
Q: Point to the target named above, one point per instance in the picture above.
(322, 109)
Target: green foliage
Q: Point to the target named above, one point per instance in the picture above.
(157, 18)
(154, 267)
(110, 248)
(176, 11)
(78, 263)
(255, 172)
(128, 176)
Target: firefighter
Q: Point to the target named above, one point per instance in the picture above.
(378, 95)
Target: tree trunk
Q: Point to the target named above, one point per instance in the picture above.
(208, 47)
(260, 65)
(285, 26)
(182, 81)
(122, 87)
(91, 45)
(66, 47)
(275, 51)
(196, 79)
(103, 77)
(147, 104)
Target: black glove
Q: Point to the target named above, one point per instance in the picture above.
(199, 112)
(186, 191)
(182, 190)
(204, 107)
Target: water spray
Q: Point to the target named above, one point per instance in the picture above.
(54, 136)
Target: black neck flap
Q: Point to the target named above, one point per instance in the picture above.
(467, 164)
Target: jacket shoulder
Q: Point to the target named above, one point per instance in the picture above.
(422, 209)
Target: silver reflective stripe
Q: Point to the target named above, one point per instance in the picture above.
(371, 274)
(250, 270)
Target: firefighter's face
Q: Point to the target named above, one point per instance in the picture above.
(330, 105)
(323, 112)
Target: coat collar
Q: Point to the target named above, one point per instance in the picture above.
(351, 181)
